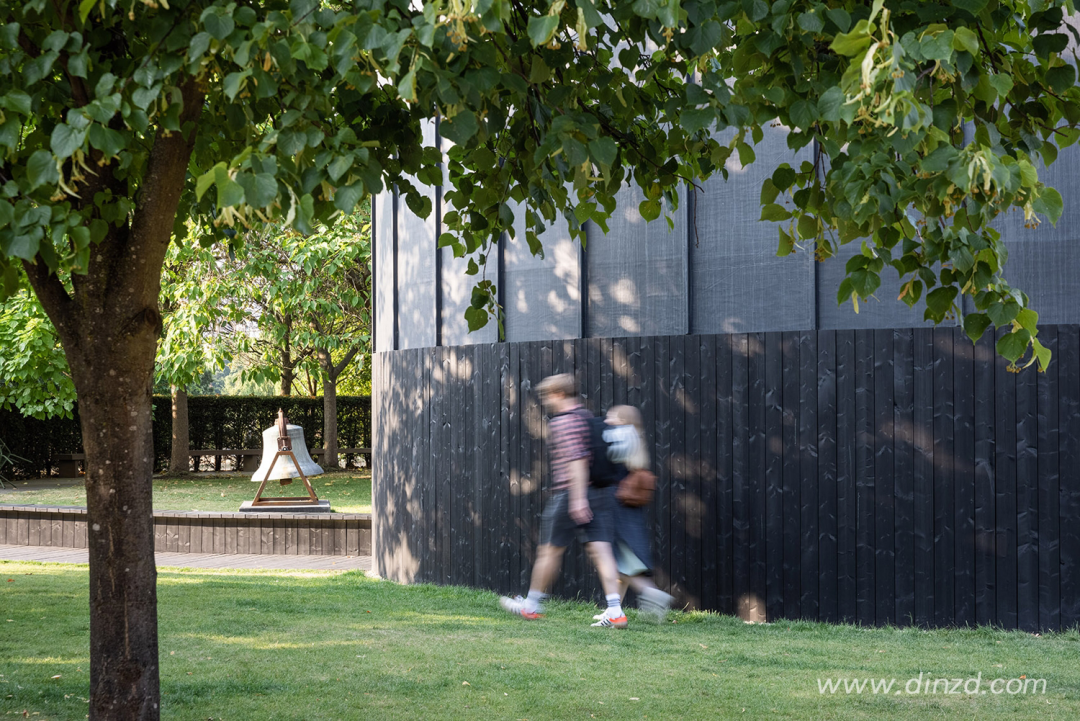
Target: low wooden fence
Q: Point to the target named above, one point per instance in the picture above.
(303, 534)
(872, 476)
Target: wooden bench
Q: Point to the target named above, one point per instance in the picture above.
(318, 453)
(69, 464)
(247, 458)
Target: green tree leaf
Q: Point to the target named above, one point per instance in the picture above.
(975, 324)
(649, 209)
(965, 39)
(1049, 203)
(803, 114)
(219, 26)
(66, 140)
(852, 43)
(811, 22)
(542, 28)
(346, 198)
(829, 104)
(230, 193)
(40, 170)
(1061, 78)
(774, 212)
(1013, 345)
(460, 128)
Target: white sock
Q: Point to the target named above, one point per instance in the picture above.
(614, 606)
(533, 601)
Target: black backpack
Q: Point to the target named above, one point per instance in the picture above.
(602, 472)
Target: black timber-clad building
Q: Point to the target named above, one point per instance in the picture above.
(812, 462)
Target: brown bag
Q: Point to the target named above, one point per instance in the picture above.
(636, 489)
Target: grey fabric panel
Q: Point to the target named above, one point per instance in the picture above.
(636, 273)
(1063, 175)
(882, 311)
(1049, 273)
(457, 288)
(416, 268)
(1045, 262)
(383, 208)
(739, 284)
(542, 298)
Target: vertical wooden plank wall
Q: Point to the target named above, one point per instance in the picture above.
(872, 476)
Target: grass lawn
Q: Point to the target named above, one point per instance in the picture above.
(272, 645)
(348, 492)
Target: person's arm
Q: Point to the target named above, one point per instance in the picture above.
(579, 484)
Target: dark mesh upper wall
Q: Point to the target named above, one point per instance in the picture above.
(716, 271)
(636, 273)
(740, 285)
(541, 298)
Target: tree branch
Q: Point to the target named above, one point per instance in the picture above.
(344, 363)
(54, 298)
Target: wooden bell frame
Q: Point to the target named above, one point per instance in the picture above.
(284, 449)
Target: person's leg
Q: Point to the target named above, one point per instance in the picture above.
(639, 583)
(604, 560)
(653, 602)
(602, 557)
(548, 561)
(556, 531)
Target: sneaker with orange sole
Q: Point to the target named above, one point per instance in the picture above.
(517, 607)
(608, 622)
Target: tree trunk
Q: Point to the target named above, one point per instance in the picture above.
(329, 405)
(288, 365)
(181, 443)
(330, 375)
(288, 373)
(109, 327)
(115, 410)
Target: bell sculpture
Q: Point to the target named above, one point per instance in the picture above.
(285, 456)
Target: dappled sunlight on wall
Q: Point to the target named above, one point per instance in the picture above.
(878, 477)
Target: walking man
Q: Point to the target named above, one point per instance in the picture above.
(576, 507)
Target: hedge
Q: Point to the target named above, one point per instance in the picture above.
(214, 422)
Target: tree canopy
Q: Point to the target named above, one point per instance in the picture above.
(121, 121)
(927, 121)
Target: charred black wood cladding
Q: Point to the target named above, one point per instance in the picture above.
(892, 476)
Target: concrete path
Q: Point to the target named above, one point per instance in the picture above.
(198, 560)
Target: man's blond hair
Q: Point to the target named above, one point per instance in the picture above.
(561, 384)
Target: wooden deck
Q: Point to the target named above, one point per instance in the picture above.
(275, 534)
(52, 554)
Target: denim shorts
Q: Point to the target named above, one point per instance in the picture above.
(558, 529)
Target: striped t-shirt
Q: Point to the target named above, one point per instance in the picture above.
(569, 440)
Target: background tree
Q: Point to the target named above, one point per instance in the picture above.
(198, 310)
(34, 376)
(292, 112)
(308, 299)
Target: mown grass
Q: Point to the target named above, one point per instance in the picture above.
(348, 492)
(273, 645)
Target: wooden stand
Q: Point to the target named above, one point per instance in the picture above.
(283, 501)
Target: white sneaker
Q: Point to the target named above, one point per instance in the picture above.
(607, 621)
(654, 604)
(518, 607)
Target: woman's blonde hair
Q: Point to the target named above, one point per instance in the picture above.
(630, 416)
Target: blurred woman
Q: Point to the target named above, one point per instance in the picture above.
(626, 439)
